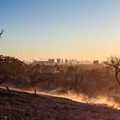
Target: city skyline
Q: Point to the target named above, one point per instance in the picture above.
(82, 30)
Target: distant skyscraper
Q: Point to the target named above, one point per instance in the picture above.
(66, 61)
(58, 61)
(51, 61)
(95, 62)
(62, 61)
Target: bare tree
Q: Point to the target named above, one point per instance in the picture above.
(40, 73)
(1, 33)
(114, 63)
(34, 72)
(78, 76)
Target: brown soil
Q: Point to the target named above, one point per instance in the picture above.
(25, 106)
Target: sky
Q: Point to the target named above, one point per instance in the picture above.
(72, 29)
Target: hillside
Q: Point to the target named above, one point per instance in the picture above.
(25, 106)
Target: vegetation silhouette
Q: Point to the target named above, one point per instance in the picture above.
(90, 80)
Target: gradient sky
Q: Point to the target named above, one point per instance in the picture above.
(78, 29)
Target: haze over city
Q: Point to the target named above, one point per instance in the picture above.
(67, 29)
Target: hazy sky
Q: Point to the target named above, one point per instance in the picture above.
(78, 29)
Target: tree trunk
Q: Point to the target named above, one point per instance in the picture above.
(116, 75)
(8, 89)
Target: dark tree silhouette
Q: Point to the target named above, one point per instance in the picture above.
(114, 63)
(33, 74)
(78, 76)
(1, 33)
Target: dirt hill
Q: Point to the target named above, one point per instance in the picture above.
(25, 106)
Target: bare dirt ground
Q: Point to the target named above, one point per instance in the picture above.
(25, 106)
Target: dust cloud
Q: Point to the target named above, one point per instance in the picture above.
(99, 100)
